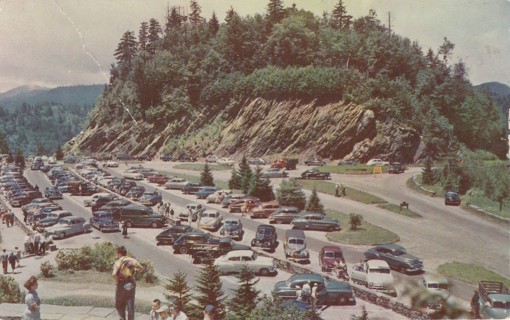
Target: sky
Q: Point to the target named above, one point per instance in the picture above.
(55, 43)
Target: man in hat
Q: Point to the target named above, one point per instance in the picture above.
(209, 312)
(163, 312)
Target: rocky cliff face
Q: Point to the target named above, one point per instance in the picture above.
(262, 128)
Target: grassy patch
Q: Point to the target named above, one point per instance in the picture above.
(141, 306)
(88, 276)
(357, 169)
(352, 194)
(367, 234)
(488, 205)
(470, 273)
(396, 208)
(220, 184)
(200, 167)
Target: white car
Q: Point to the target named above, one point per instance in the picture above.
(377, 162)
(176, 183)
(374, 274)
(69, 226)
(234, 261)
(225, 162)
(217, 195)
(111, 164)
(89, 201)
(129, 174)
(211, 159)
(210, 220)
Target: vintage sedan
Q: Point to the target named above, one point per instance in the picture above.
(111, 164)
(210, 220)
(132, 175)
(168, 236)
(452, 198)
(176, 183)
(314, 162)
(151, 198)
(103, 221)
(233, 228)
(315, 174)
(234, 261)
(167, 157)
(396, 167)
(69, 226)
(205, 192)
(211, 159)
(158, 178)
(274, 173)
(396, 256)
(316, 221)
(284, 215)
(264, 210)
(329, 257)
(191, 188)
(328, 292)
(52, 219)
(225, 162)
(114, 205)
(53, 193)
(257, 162)
(265, 238)
(135, 192)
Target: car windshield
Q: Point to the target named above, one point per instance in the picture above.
(231, 222)
(63, 222)
(398, 252)
(296, 241)
(329, 254)
(210, 215)
(264, 231)
(379, 270)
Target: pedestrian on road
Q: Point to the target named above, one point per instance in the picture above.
(32, 312)
(18, 256)
(154, 315)
(299, 294)
(12, 261)
(314, 293)
(337, 190)
(124, 229)
(5, 260)
(209, 312)
(475, 305)
(37, 241)
(42, 246)
(124, 275)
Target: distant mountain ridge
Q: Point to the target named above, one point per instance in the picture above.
(34, 95)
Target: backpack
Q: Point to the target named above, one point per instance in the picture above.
(125, 271)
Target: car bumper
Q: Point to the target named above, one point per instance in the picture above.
(207, 227)
(262, 245)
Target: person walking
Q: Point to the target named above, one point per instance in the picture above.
(209, 312)
(42, 246)
(12, 261)
(475, 305)
(5, 260)
(154, 315)
(337, 190)
(32, 311)
(123, 274)
(124, 229)
(37, 241)
(299, 294)
(18, 256)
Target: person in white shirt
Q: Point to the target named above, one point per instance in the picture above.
(154, 315)
(177, 314)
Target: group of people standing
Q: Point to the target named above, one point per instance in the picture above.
(37, 243)
(12, 258)
(7, 217)
(307, 293)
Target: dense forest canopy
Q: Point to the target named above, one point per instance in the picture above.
(191, 65)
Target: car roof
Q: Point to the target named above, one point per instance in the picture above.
(331, 248)
(376, 263)
(239, 253)
(390, 246)
(232, 219)
(211, 211)
(266, 226)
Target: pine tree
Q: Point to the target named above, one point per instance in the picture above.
(290, 194)
(195, 10)
(339, 17)
(314, 203)
(209, 290)
(59, 154)
(245, 296)
(143, 34)
(245, 174)
(206, 177)
(235, 180)
(260, 187)
(154, 36)
(275, 11)
(179, 291)
(214, 25)
(126, 49)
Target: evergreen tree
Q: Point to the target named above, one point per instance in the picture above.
(275, 12)
(4, 145)
(339, 17)
(245, 296)
(209, 290)
(59, 154)
(314, 203)
(245, 174)
(154, 36)
(290, 194)
(214, 25)
(427, 173)
(126, 49)
(195, 18)
(271, 309)
(143, 34)
(260, 187)
(20, 159)
(235, 180)
(179, 291)
(206, 177)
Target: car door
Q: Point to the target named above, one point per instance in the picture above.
(233, 264)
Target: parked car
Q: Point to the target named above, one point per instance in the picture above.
(191, 188)
(235, 261)
(186, 158)
(437, 287)
(53, 193)
(264, 210)
(347, 163)
(87, 202)
(111, 164)
(114, 205)
(284, 215)
(52, 219)
(396, 257)
(195, 209)
(132, 175)
(204, 192)
(176, 183)
(167, 157)
(135, 192)
(274, 173)
(314, 162)
(139, 216)
(233, 228)
(294, 246)
(265, 238)
(452, 198)
(69, 226)
(147, 172)
(184, 242)
(328, 292)
(103, 221)
(257, 162)
(210, 220)
(101, 201)
(158, 178)
(225, 162)
(316, 221)
(168, 236)
(213, 249)
(151, 198)
(329, 256)
(396, 167)
(315, 174)
(211, 159)
(231, 198)
(247, 203)
(377, 162)
(375, 275)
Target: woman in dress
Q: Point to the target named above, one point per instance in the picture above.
(32, 300)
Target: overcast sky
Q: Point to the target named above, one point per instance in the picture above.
(67, 42)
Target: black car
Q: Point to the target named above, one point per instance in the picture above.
(166, 158)
(186, 158)
(314, 162)
(184, 242)
(135, 192)
(114, 206)
(452, 198)
(396, 167)
(347, 163)
(396, 257)
(315, 174)
(101, 201)
(168, 236)
(265, 237)
(53, 193)
(191, 188)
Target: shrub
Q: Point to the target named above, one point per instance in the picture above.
(355, 220)
(148, 276)
(104, 255)
(47, 269)
(76, 259)
(10, 291)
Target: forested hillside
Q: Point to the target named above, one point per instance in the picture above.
(182, 86)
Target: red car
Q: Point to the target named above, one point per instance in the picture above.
(158, 178)
(329, 256)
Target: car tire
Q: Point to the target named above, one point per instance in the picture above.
(183, 250)
(154, 225)
(264, 272)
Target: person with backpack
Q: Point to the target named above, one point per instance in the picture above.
(124, 275)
